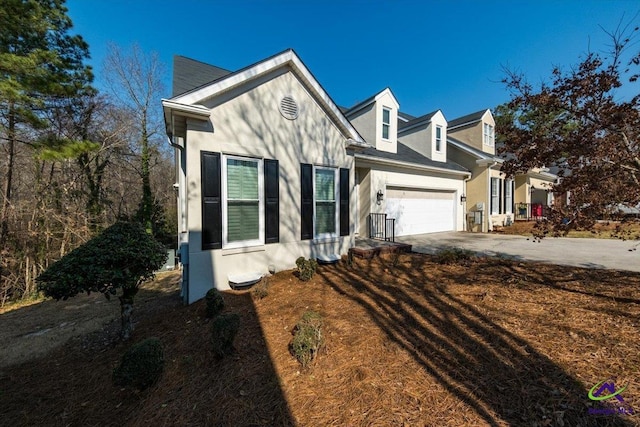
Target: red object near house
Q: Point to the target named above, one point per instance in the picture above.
(536, 210)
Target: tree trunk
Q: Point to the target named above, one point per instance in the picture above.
(126, 310)
(6, 193)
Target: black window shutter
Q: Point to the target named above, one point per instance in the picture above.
(272, 201)
(500, 197)
(211, 200)
(306, 206)
(344, 202)
(513, 196)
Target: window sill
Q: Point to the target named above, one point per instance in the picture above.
(243, 250)
(321, 240)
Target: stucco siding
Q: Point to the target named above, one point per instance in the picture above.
(249, 123)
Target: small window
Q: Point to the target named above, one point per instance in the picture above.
(386, 122)
(438, 138)
(489, 135)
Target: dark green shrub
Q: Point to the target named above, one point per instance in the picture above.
(308, 339)
(306, 268)
(141, 365)
(223, 331)
(215, 302)
(453, 256)
(121, 257)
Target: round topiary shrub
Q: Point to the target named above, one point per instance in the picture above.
(215, 302)
(223, 332)
(141, 365)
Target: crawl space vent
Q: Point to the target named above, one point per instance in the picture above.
(289, 108)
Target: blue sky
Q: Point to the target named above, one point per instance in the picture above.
(432, 54)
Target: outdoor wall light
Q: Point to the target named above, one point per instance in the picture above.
(463, 198)
(532, 189)
(379, 197)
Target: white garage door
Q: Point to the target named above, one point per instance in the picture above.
(420, 211)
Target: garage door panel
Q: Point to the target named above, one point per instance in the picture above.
(418, 212)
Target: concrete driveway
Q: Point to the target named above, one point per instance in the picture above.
(591, 253)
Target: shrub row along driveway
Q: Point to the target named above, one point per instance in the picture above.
(590, 253)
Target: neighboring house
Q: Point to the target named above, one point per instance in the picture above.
(265, 170)
(405, 173)
(492, 199)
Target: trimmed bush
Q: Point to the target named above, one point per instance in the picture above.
(308, 339)
(223, 332)
(141, 365)
(261, 289)
(215, 302)
(453, 256)
(306, 268)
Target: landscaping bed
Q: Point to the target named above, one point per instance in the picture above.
(407, 341)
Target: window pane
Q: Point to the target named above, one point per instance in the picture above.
(325, 217)
(385, 131)
(438, 132)
(242, 220)
(242, 179)
(325, 184)
(386, 116)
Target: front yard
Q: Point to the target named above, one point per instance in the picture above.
(408, 342)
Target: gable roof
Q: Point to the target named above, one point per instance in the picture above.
(416, 121)
(468, 119)
(478, 154)
(287, 58)
(409, 157)
(189, 74)
(404, 117)
(360, 105)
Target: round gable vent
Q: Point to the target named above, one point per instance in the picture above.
(289, 108)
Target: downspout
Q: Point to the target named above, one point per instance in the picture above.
(465, 220)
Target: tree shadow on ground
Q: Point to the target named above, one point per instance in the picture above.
(497, 374)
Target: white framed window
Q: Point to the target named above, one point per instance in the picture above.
(438, 138)
(495, 196)
(489, 135)
(508, 196)
(386, 122)
(242, 202)
(325, 202)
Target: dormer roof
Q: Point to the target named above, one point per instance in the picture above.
(416, 121)
(360, 105)
(467, 120)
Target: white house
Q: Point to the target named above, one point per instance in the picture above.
(270, 169)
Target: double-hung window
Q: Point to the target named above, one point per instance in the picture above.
(488, 135)
(508, 196)
(326, 197)
(495, 196)
(438, 138)
(386, 122)
(243, 202)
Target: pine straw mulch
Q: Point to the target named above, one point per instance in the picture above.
(408, 342)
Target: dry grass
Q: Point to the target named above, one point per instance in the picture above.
(408, 342)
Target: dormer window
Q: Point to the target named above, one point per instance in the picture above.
(489, 135)
(438, 138)
(386, 122)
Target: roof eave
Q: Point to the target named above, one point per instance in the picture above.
(409, 165)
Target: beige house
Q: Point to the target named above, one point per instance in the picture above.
(265, 171)
(492, 200)
(404, 182)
